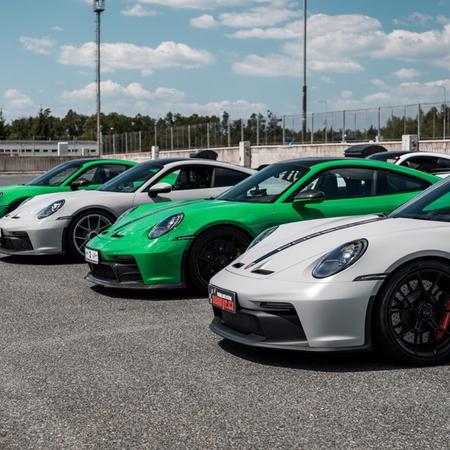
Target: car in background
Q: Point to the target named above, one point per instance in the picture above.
(187, 243)
(72, 175)
(363, 150)
(66, 221)
(431, 162)
(345, 284)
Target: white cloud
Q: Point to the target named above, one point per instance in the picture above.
(109, 89)
(405, 73)
(377, 82)
(236, 108)
(257, 17)
(124, 56)
(169, 94)
(138, 11)
(204, 21)
(17, 101)
(40, 46)
(346, 94)
(57, 29)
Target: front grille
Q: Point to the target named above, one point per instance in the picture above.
(17, 242)
(273, 326)
(125, 271)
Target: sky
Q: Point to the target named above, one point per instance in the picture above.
(208, 56)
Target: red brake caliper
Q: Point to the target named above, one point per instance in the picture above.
(444, 324)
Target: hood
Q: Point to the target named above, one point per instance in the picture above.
(16, 189)
(306, 242)
(36, 204)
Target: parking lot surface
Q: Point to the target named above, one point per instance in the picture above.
(89, 368)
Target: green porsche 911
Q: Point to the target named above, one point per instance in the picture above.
(71, 175)
(183, 243)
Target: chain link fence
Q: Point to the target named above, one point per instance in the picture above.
(429, 121)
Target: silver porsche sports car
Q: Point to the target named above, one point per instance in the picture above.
(346, 284)
(66, 221)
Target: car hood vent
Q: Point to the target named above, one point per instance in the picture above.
(238, 265)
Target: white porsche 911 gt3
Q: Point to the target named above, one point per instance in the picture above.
(346, 284)
(65, 222)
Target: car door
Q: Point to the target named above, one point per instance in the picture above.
(353, 191)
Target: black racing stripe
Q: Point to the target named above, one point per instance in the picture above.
(311, 236)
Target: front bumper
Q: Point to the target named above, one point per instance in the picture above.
(328, 316)
(38, 239)
(119, 275)
(138, 264)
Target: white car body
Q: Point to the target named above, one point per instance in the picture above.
(333, 313)
(47, 236)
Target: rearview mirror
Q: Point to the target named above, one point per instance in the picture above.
(307, 197)
(159, 188)
(79, 184)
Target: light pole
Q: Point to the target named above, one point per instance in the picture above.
(444, 110)
(99, 8)
(305, 87)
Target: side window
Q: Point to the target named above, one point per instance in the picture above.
(102, 174)
(423, 163)
(189, 177)
(397, 183)
(227, 177)
(443, 163)
(344, 183)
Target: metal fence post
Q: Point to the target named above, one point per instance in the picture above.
(284, 130)
(229, 133)
(242, 130)
(140, 141)
(126, 142)
(156, 134)
(418, 121)
(257, 129)
(312, 128)
(379, 125)
(343, 126)
(189, 137)
(171, 138)
(208, 137)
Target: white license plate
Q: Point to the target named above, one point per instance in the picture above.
(91, 256)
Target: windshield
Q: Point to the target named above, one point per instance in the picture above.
(133, 179)
(267, 185)
(433, 204)
(57, 176)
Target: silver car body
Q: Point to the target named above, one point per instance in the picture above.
(47, 236)
(333, 313)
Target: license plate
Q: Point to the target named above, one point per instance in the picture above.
(91, 256)
(224, 300)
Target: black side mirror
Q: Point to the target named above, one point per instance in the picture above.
(159, 188)
(79, 184)
(307, 197)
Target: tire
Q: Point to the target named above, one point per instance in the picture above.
(84, 227)
(211, 252)
(412, 314)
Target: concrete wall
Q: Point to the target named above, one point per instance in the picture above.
(30, 164)
(274, 153)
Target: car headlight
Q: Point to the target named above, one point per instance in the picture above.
(262, 236)
(340, 259)
(165, 226)
(51, 209)
(128, 211)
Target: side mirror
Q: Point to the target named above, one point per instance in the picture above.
(308, 197)
(79, 184)
(159, 188)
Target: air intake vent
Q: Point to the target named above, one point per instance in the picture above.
(263, 272)
(238, 265)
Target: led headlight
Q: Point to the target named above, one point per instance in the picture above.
(262, 236)
(340, 259)
(51, 209)
(165, 226)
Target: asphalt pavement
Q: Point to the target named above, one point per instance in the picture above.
(84, 368)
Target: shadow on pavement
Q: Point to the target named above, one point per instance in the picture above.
(48, 260)
(322, 362)
(156, 295)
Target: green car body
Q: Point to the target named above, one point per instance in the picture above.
(60, 179)
(128, 258)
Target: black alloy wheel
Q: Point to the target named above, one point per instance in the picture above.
(212, 251)
(413, 318)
